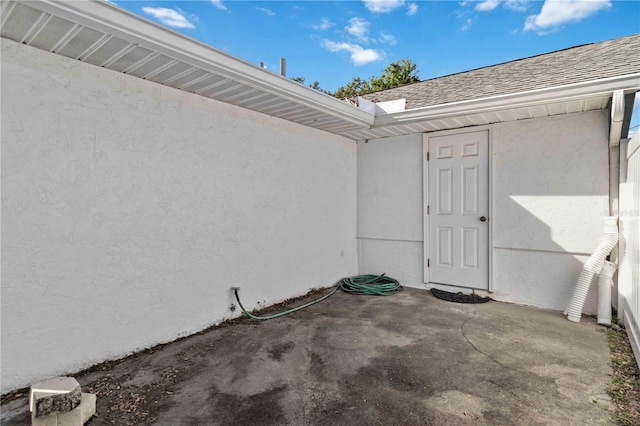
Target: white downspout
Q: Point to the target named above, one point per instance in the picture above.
(615, 133)
(617, 115)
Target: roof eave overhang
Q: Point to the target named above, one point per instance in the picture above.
(278, 96)
(565, 93)
(116, 21)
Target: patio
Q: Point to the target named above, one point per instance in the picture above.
(404, 359)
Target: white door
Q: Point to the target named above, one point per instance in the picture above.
(458, 209)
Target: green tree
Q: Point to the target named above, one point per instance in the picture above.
(396, 74)
(357, 87)
(315, 85)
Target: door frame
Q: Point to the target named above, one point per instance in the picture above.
(425, 199)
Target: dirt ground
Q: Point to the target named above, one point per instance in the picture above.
(407, 359)
(624, 386)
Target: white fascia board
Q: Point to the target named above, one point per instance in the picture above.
(513, 100)
(111, 19)
(385, 107)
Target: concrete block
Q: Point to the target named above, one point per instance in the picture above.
(76, 417)
(87, 406)
(54, 396)
(70, 418)
(44, 421)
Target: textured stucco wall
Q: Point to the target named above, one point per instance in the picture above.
(390, 208)
(550, 193)
(129, 209)
(551, 183)
(390, 188)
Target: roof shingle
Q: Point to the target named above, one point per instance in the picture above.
(573, 65)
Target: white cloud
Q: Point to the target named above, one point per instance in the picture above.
(359, 55)
(383, 6)
(465, 19)
(169, 17)
(517, 5)
(358, 27)
(554, 13)
(219, 4)
(487, 5)
(412, 9)
(387, 38)
(364, 56)
(325, 24)
(335, 46)
(269, 12)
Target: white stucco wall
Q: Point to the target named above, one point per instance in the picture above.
(390, 188)
(129, 209)
(551, 183)
(390, 198)
(550, 193)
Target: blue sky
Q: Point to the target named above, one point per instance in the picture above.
(333, 41)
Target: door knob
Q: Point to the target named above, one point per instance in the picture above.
(483, 218)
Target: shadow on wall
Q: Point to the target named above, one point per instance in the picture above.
(531, 267)
(551, 189)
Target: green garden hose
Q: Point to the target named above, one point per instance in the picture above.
(266, 317)
(374, 285)
(379, 285)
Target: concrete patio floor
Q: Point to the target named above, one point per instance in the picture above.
(361, 360)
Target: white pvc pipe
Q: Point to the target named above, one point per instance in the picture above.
(592, 267)
(605, 281)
